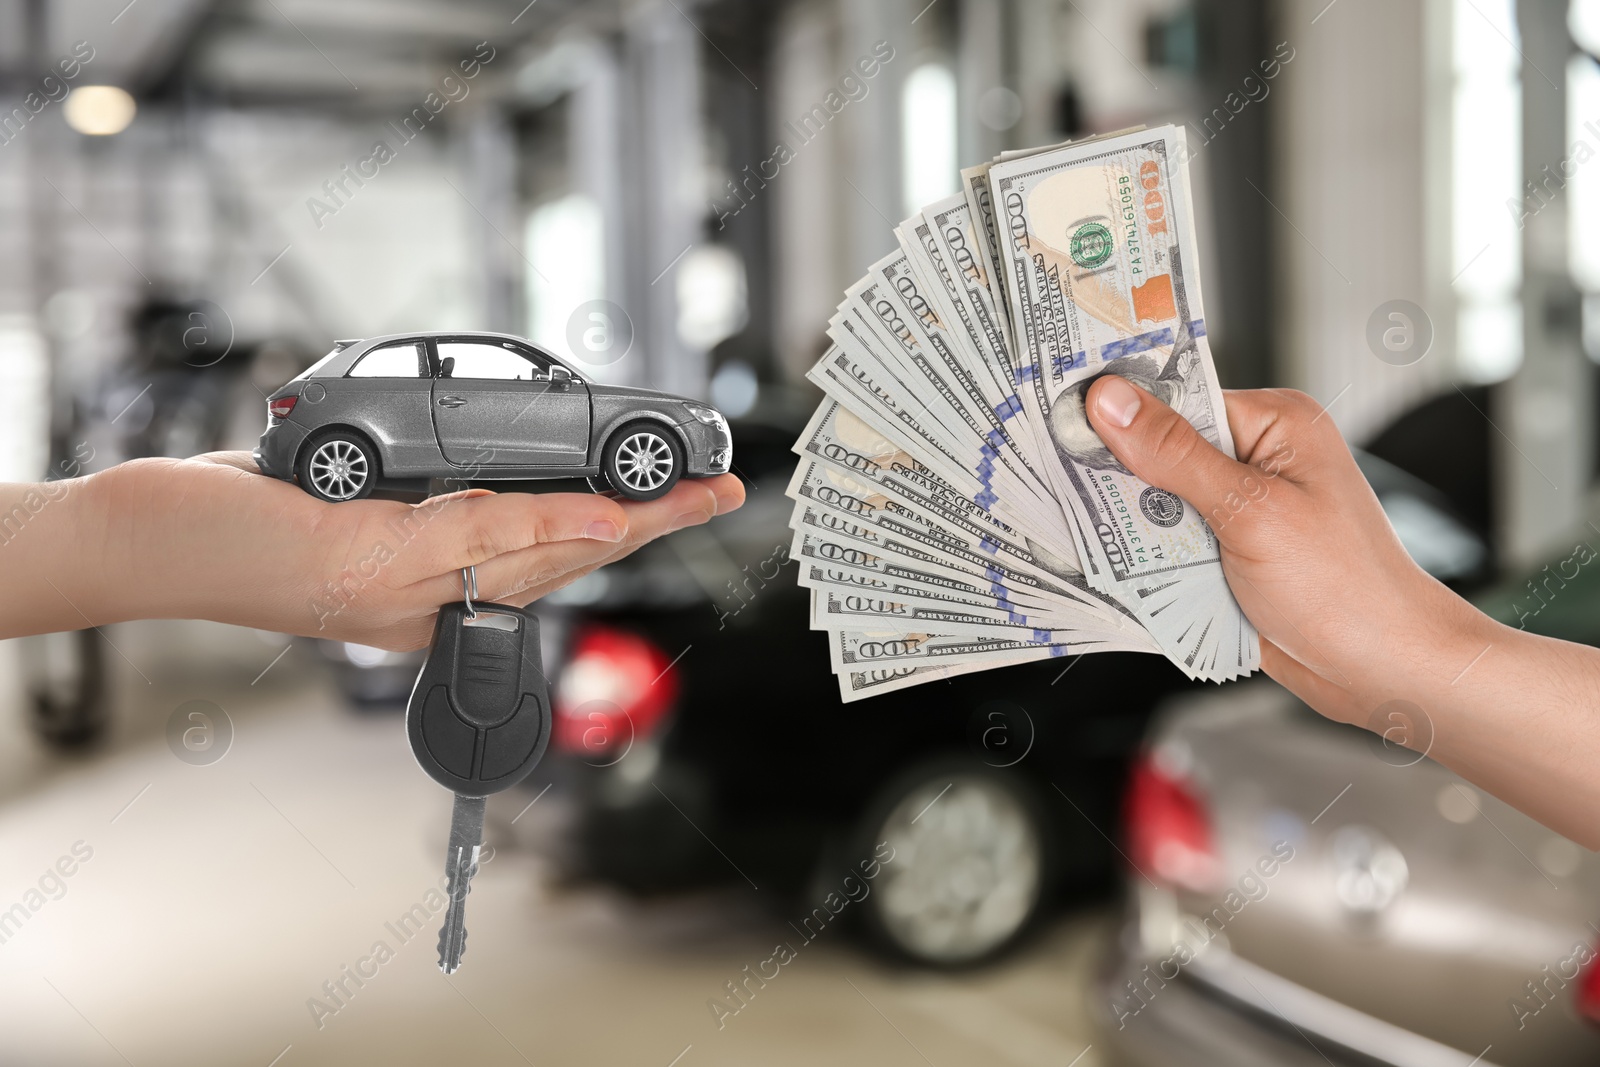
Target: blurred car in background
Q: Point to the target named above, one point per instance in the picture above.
(185, 386)
(699, 735)
(1340, 898)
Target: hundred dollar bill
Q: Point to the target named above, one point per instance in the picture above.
(950, 245)
(860, 684)
(841, 581)
(954, 510)
(833, 609)
(1097, 247)
(943, 293)
(821, 486)
(851, 468)
(957, 243)
(856, 649)
(1023, 153)
(929, 292)
(845, 437)
(975, 190)
(838, 438)
(846, 507)
(926, 554)
(859, 560)
(876, 399)
(908, 333)
(966, 329)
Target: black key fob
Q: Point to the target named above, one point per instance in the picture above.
(479, 716)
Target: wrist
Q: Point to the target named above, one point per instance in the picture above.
(1426, 655)
(129, 525)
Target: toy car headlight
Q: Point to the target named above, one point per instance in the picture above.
(709, 416)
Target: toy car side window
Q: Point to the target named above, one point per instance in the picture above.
(391, 361)
(478, 359)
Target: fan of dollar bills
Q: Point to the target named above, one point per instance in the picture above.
(955, 511)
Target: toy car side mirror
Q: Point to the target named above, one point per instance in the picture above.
(559, 376)
(447, 366)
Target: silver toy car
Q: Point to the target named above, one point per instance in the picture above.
(409, 407)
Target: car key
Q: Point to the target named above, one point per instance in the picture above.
(478, 721)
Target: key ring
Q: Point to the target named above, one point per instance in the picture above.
(469, 589)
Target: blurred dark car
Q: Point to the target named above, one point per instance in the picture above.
(699, 735)
(1346, 900)
(185, 385)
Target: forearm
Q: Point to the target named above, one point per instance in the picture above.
(1522, 720)
(1516, 714)
(53, 565)
(132, 542)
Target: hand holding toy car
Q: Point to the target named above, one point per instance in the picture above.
(209, 538)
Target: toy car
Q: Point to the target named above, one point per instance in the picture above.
(478, 406)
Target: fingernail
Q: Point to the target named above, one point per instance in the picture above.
(689, 518)
(1118, 401)
(603, 530)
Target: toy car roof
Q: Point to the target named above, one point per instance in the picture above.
(346, 352)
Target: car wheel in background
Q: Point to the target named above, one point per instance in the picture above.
(643, 460)
(337, 465)
(601, 484)
(970, 863)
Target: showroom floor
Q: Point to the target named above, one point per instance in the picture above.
(208, 906)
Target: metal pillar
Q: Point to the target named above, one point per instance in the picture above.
(661, 56)
(1545, 412)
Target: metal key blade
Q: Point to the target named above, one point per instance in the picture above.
(460, 864)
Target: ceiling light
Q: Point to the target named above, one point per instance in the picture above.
(99, 110)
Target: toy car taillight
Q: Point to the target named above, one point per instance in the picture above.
(1168, 828)
(614, 690)
(280, 408)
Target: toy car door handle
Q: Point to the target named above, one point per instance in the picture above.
(452, 401)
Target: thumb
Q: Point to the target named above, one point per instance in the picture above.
(1160, 446)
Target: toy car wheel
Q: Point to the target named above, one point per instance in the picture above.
(338, 466)
(599, 483)
(969, 866)
(643, 461)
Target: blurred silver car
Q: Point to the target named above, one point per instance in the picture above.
(1310, 893)
(1305, 892)
(478, 406)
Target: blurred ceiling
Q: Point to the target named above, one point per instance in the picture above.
(360, 53)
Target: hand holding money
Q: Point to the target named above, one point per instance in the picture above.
(1305, 543)
(955, 508)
